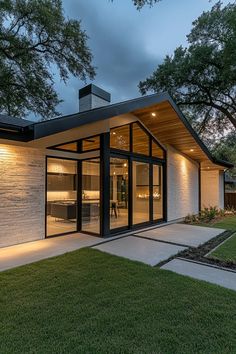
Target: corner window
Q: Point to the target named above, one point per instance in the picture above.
(140, 140)
(92, 143)
(157, 151)
(119, 138)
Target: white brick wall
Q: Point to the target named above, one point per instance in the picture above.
(212, 188)
(22, 190)
(182, 185)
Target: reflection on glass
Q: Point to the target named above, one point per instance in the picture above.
(140, 192)
(119, 138)
(68, 147)
(118, 192)
(157, 151)
(91, 196)
(61, 196)
(157, 192)
(140, 140)
(92, 143)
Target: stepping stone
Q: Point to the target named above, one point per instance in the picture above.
(200, 271)
(182, 234)
(139, 249)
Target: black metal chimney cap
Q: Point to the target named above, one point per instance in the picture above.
(95, 90)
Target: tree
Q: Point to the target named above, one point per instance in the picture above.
(140, 3)
(34, 37)
(202, 77)
(225, 149)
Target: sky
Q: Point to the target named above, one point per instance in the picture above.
(127, 44)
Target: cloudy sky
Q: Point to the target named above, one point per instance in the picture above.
(127, 44)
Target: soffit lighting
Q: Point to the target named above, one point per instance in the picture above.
(191, 150)
(153, 114)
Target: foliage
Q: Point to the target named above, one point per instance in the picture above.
(208, 214)
(225, 149)
(202, 77)
(139, 4)
(35, 38)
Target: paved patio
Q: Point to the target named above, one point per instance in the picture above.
(140, 249)
(151, 246)
(211, 274)
(182, 234)
(25, 253)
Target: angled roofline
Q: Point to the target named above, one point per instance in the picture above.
(38, 130)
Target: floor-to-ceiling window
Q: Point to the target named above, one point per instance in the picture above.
(119, 180)
(157, 192)
(141, 192)
(61, 196)
(90, 216)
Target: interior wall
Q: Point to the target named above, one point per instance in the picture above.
(212, 188)
(22, 190)
(182, 185)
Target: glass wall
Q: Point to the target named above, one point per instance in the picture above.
(61, 196)
(140, 140)
(91, 195)
(119, 180)
(157, 192)
(141, 192)
(120, 138)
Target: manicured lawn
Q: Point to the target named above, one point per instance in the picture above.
(227, 251)
(228, 223)
(90, 302)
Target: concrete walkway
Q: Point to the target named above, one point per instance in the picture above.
(25, 253)
(140, 249)
(211, 274)
(182, 234)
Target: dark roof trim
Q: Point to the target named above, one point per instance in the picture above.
(60, 124)
(45, 128)
(95, 90)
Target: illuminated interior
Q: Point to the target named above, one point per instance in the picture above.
(135, 190)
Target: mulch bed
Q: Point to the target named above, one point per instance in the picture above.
(199, 253)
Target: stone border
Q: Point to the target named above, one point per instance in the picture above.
(199, 254)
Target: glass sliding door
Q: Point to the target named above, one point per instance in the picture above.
(119, 179)
(157, 192)
(61, 196)
(141, 192)
(90, 215)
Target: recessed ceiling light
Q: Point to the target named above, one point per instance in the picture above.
(153, 114)
(208, 167)
(191, 150)
(125, 164)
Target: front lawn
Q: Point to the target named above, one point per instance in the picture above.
(228, 223)
(225, 222)
(227, 251)
(90, 302)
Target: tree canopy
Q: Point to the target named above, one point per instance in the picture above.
(35, 37)
(202, 77)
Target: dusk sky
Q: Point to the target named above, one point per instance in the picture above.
(127, 44)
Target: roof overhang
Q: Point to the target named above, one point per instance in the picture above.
(168, 125)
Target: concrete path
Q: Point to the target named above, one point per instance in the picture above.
(14, 256)
(200, 271)
(140, 249)
(182, 234)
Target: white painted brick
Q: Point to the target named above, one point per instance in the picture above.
(182, 185)
(22, 191)
(212, 188)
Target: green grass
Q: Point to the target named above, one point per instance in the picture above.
(90, 302)
(227, 251)
(228, 223)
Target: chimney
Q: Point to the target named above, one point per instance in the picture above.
(92, 96)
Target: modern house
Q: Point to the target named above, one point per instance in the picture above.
(105, 170)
